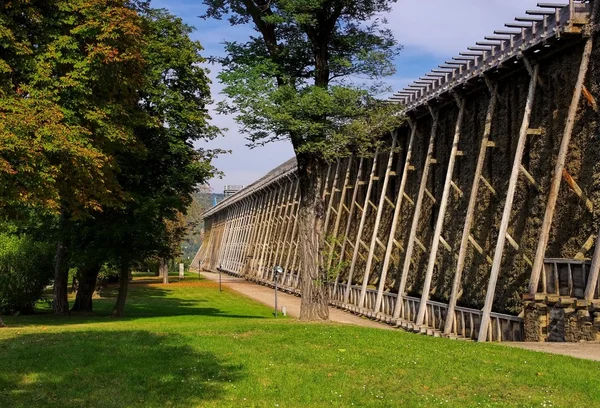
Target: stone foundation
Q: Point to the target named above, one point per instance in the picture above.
(561, 320)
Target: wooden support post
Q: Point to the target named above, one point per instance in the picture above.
(398, 205)
(592, 282)
(255, 237)
(331, 197)
(338, 215)
(439, 225)
(388, 170)
(357, 183)
(417, 214)
(288, 220)
(510, 195)
(294, 228)
(538, 262)
(265, 231)
(361, 226)
(277, 230)
(266, 254)
(464, 243)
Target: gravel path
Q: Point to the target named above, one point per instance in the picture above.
(266, 296)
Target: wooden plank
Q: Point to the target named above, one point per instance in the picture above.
(529, 178)
(592, 282)
(559, 168)
(360, 229)
(371, 249)
(578, 191)
(338, 213)
(510, 195)
(416, 216)
(439, 225)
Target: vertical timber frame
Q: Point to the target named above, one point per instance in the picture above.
(559, 166)
(398, 206)
(374, 236)
(338, 216)
(417, 214)
(510, 195)
(439, 225)
(262, 233)
(361, 227)
(345, 241)
(464, 242)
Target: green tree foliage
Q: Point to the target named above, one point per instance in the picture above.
(298, 79)
(100, 103)
(160, 176)
(25, 268)
(69, 71)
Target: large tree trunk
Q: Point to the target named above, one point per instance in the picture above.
(119, 307)
(315, 294)
(88, 276)
(1, 322)
(61, 271)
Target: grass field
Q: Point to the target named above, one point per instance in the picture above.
(186, 344)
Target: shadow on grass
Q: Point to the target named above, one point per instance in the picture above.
(143, 301)
(110, 369)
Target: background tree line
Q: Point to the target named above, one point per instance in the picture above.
(100, 103)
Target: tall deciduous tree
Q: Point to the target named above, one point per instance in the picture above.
(296, 79)
(68, 93)
(160, 176)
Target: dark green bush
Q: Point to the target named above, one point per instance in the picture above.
(26, 267)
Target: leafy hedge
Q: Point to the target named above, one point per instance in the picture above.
(26, 266)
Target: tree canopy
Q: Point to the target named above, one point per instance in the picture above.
(310, 75)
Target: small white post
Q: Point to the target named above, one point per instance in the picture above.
(181, 275)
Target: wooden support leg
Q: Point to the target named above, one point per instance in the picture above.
(365, 282)
(417, 214)
(441, 214)
(357, 183)
(559, 166)
(398, 205)
(338, 216)
(464, 243)
(360, 228)
(510, 195)
(592, 282)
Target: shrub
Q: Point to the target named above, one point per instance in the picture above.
(26, 267)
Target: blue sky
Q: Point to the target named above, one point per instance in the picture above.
(431, 32)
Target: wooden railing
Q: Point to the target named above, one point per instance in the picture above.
(466, 321)
(566, 277)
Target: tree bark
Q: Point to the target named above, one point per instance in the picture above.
(315, 294)
(164, 268)
(61, 272)
(87, 279)
(119, 307)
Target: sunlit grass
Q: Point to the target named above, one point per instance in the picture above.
(187, 344)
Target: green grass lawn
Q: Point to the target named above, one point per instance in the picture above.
(186, 344)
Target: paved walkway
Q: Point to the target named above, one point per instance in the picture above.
(266, 296)
(263, 294)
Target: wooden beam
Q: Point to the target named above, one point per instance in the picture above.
(592, 282)
(510, 195)
(559, 167)
(349, 221)
(416, 216)
(369, 264)
(439, 224)
(361, 226)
